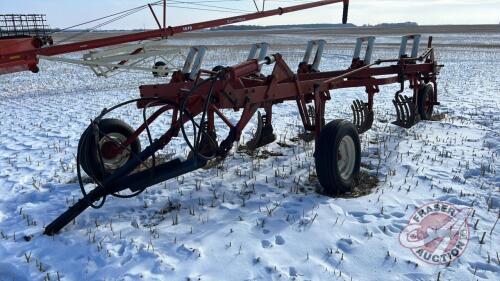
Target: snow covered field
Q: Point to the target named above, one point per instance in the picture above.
(260, 217)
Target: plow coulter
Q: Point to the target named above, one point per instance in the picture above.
(192, 108)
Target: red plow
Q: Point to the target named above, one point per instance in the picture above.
(194, 100)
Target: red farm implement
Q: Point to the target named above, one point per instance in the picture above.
(196, 101)
(20, 33)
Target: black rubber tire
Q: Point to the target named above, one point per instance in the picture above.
(218, 68)
(83, 150)
(326, 156)
(425, 93)
(89, 158)
(156, 65)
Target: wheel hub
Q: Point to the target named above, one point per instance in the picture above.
(113, 154)
(346, 157)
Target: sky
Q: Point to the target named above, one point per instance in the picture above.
(64, 13)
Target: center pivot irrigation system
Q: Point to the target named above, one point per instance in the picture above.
(110, 153)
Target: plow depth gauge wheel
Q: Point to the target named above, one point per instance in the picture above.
(426, 101)
(338, 157)
(161, 66)
(112, 134)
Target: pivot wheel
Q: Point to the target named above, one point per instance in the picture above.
(103, 155)
(338, 157)
(159, 65)
(426, 101)
(218, 68)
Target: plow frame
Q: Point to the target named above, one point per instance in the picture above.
(193, 92)
(242, 87)
(238, 89)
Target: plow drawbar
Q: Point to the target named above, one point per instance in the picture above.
(110, 153)
(134, 182)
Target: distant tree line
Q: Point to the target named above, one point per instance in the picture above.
(400, 24)
(311, 26)
(283, 26)
(267, 27)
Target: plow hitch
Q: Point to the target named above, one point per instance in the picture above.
(136, 182)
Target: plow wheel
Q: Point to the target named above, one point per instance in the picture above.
(338, 157)
(362, 116)
(405, 111)
(218, 68)
(104, 153)
(159, 65)
(426, 101)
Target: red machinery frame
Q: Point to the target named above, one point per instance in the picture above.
(236, 87)
(240, 89)
(14, 60)
(243, 87)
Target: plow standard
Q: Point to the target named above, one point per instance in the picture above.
(195, 100)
